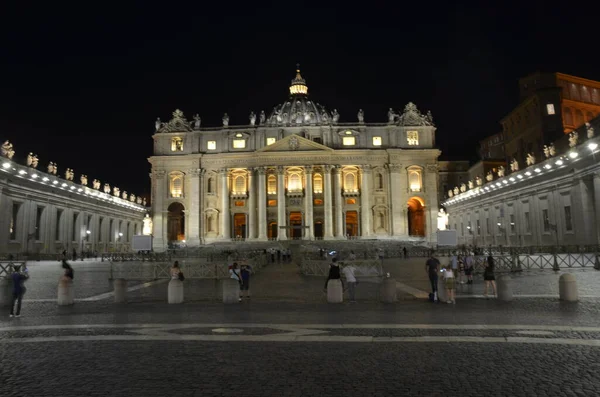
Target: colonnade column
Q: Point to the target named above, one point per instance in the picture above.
(432, 204)
(308, 204)
(159, 242)
(262, 203)
(597, 204)
(281, 221)
(365, 202)
(225, 213)
(397, 204)
(251, 205)
(327, 207)
(337, 195)
(193, 216)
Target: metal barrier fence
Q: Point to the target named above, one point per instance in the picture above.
(8, 267)
(516, 263)
(162, 270)
(143, 257)
(363, 268)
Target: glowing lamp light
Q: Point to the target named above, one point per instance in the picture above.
(34, 176)
(528, 173)
(511, 179)
(22, 172)
(498, 184)
(183, 241)
(120, 234)
(559, 162)
(88, 232)
(547, 166)
(64, 184)
(538, 170)
(593, 146)
(55, 182)
(80, 190)
(573, 154)
(499, 224)
(520, 176)
(45, 179)
(505, 181)
(72, 187)
(6, 165)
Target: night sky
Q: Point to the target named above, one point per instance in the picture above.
(83, 84)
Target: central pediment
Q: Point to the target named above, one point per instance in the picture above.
(295, 143)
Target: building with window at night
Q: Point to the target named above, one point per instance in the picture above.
(296, 173)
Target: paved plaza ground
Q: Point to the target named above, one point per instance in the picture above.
(287, 341)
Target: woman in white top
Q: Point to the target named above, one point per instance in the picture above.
(449, 282)
(234, 273)
(175, 270)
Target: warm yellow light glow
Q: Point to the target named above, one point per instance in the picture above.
(176, 144)
(294, 183)
(176, 186)
(211, 145)
(376, 141)
(271, 141)
(349, 141)
(348, 132)
(412, 137)
(550, 108)
(239, 143)
(318, 184)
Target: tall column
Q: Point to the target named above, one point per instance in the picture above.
(159, 212)
(281, 221)
(225, 213)
(365, 202)
(327, 207)
(251, 205)
(308, 204)
(262, 203)
(597, 205)
(397, 204)
(432, 204)
(202, 190)
(193, 215)
(339, 210)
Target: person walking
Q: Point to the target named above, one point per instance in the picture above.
(431, 267)
(246, 271)
(234, 273)
(489, 277)
(334, 273)
(18, 279)
(351, 281)
(449, 279)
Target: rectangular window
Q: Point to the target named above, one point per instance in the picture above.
(512, 223)
(412, 138)
(527, 222)
(550, 108)
(318, 202)
(211, 145)
(239, 143)
(350, 201)
(376, 141)
(568, 220)
(13, 221)
(240, 203)
(546, 220)
(176, 144)
(271, 141)
(57, 226)
(349, 141)
(38, 222)
(272, 203)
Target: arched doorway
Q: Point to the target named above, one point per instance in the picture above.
(318, 229)
(272, 231)
(176, 222)
(416, 217)
(351, 223)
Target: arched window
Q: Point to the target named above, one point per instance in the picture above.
(210, 185)
(414, 179)
(272, 184)
(240, 184)
(350, 182)
(379, 181)
(176, 185)
(294, 183)
(567, 116)
(578, 118)
(318, 183)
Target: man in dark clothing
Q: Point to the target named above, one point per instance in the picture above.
(19, 289)
(334, 273)
(431, 267)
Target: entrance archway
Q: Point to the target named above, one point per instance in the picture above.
(176, 222)
(319, 229)
(351, 223)
(416, 217)
(295, 225)
(272, 232)
(239, 225)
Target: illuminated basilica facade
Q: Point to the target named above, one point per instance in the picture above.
(297, 173)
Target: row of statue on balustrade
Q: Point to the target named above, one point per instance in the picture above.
(7, 150)
(549, 151)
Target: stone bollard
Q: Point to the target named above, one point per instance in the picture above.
(5, 291)
(231, 291)
(65, 292)
(567, 288)
(388, 290)
(120, 287)
(175, 291)
(335, 291)
(504, 288)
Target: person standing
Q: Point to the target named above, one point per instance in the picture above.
(69, 273)
(334, 273)
(489, 277)
(405, 252)
(469, 269)
(18, 279)
(245, 285)
(351, 281)
(234, 273)
(448, 276)
(431, 267)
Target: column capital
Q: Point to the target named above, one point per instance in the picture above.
(432, 168)
(261, 170)
(337, 169)
(196, 172)
(308, 169)
(327, 168)
(159, 174)
(280, 170)
(394, 167)
(366, 168)
(223, 171)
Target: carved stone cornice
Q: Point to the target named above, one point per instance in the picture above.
(159, 174)
(394, 167)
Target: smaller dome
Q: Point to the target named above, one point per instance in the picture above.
(298, 86)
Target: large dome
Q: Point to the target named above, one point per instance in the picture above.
(298, 109)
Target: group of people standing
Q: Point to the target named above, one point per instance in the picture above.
(457, 269)
(335, 273)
